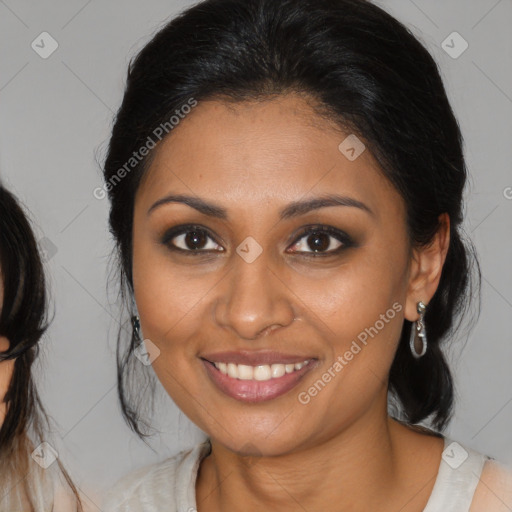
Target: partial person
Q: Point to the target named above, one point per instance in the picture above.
(32, 477)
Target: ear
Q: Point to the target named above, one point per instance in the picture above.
(426, 266)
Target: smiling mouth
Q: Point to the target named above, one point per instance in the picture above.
(257, 383)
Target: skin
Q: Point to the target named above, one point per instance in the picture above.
(6, 367)
(253, 159)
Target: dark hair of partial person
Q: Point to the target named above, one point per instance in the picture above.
(358, 66)
(23, 321)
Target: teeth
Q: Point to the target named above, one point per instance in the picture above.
(261, 372)
(232, 370)
(245, 372)
(277, 370)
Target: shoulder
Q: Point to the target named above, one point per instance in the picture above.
(494, 489)
(459, 475)
(157, 486)
(42, 489)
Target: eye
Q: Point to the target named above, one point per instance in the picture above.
(195, 240)
(192, 239)
(324, 241)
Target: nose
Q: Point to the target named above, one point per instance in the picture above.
(253, 300)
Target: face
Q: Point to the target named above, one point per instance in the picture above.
(261, 281)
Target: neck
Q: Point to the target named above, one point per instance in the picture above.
(358, 469)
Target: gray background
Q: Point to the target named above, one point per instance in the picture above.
(55, 118)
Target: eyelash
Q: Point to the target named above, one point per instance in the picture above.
(340, 236)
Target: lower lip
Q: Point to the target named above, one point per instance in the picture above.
(256, 390)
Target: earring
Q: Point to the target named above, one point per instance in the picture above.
(418, 333)
(136, 327)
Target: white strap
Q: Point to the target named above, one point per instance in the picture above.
(457, 478)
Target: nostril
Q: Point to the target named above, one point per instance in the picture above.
(268, 330)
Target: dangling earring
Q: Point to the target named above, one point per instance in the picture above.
(418, 333)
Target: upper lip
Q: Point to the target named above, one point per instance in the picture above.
(254, 358)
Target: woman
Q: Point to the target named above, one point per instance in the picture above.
(32, 478)
(286, 182)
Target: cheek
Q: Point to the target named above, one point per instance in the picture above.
(167, 299)
(362, 329)
(6, 371)
(164, 301)
(360, 312)
(354, 297)
(4, 344)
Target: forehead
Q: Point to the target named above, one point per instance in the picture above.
(253, 152)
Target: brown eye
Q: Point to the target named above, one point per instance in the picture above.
(195, 239)
(322, 241)
(319, 241)
(190, 239)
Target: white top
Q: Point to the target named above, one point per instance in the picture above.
(170, 485)
(48, 487)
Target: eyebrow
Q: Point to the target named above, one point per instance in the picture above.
(294, 209)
